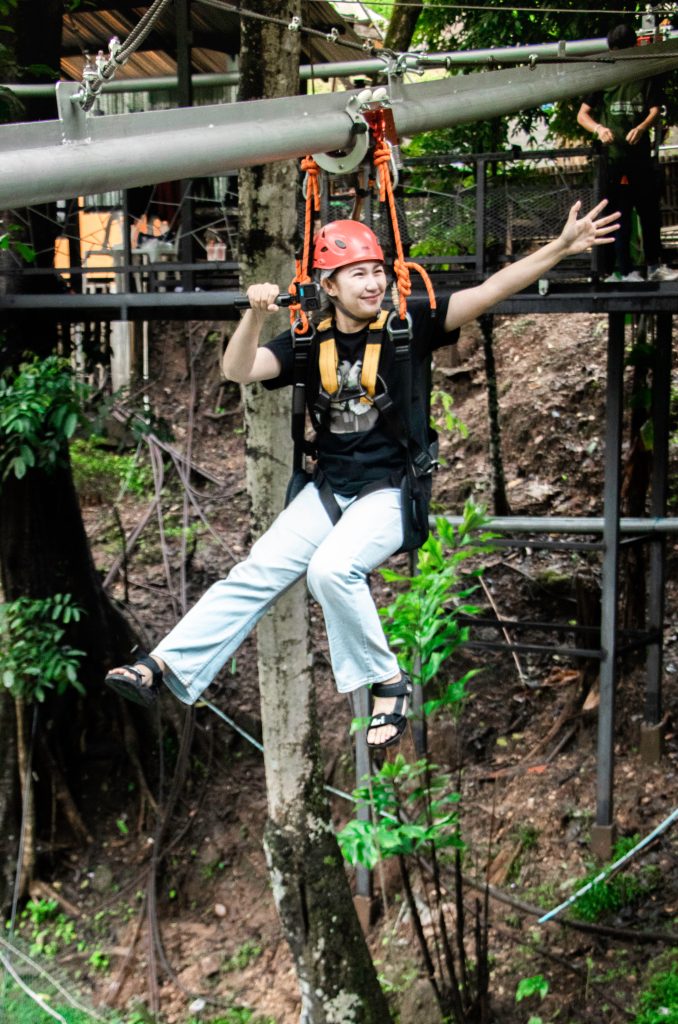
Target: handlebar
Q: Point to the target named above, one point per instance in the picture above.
(283, 299)
(308, 296)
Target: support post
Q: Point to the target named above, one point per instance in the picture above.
(185, 99)
(481, 183)
(418, 723)
(363, 899)
(125, 276)
(602, 833)
(651, 728)
(598, 253)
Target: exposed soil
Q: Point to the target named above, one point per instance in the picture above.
(527, 764)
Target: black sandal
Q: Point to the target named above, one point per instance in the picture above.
(136, 689)
(401, 690)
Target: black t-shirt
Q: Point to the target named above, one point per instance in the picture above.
(620, 108)
(354, 445)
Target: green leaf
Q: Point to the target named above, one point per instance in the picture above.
(27, 252)
(536, 985)
(70, 424)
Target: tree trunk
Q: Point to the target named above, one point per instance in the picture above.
(401, 26)
(9, 812)
(24, 748)
(335, 972)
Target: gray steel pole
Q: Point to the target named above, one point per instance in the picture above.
(344, 69)
(40, 162)
(603, 830)
(360, 703)
(661, 398)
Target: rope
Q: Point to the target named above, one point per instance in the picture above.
(298, 318)
(401, 266)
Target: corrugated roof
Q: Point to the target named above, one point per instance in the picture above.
(215, 31)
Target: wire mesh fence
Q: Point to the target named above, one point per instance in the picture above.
(479, 210)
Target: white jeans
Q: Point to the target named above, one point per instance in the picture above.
(336, 560)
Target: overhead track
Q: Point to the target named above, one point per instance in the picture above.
(411, 62)
(82, 154)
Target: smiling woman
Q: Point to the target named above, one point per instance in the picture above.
(365, 377)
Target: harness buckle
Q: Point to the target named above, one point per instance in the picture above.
(302, 340)
(401, 336)
(423, 463)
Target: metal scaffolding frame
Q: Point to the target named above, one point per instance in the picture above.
(652, 531)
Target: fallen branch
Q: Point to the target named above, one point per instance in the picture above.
(41, 890)
(507, 636)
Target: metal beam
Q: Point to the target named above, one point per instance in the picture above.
(344, 69)
(44, 161)
(628, 525)
(220, 305)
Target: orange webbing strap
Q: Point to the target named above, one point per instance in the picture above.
(401, 266)
(298, 318)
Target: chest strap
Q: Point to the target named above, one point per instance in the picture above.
(328, 359)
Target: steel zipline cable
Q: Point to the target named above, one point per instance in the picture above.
(295, 25)
(511, 8)
(119, 53)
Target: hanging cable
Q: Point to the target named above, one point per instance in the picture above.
(293, 26)
(496, 8)
(94, 78)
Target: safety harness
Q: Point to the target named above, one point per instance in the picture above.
(328, 361)
(395, 328)
(419, 461)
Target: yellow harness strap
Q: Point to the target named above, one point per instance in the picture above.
(328, 360)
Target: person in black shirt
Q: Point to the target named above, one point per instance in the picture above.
(621, 118)
(355, 449)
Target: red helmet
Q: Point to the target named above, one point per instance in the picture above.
(345, 241)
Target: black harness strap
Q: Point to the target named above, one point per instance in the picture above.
(418, 460)
(301, 347)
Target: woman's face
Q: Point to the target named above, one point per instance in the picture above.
(359, 288)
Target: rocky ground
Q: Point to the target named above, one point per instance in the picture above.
(524, 747)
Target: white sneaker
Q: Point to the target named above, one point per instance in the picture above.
(633, 278)
(612, 278)
(662, 273)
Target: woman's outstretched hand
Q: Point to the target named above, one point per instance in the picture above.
(581, 233)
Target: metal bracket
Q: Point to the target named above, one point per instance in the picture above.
(73, 119)
(340, 161)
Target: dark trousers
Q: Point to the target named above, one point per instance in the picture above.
(635, 186)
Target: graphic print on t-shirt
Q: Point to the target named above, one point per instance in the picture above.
(348, 415)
